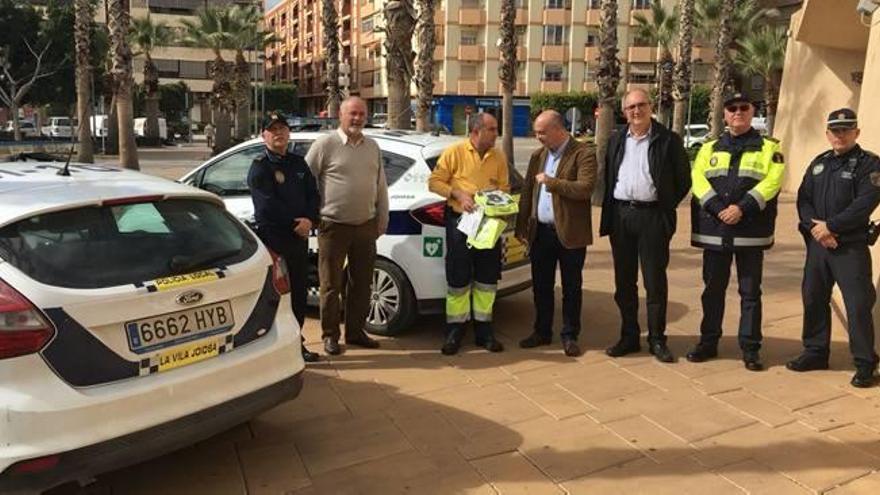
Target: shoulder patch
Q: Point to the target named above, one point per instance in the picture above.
(875, 178)
(778, 158)
(871, 154)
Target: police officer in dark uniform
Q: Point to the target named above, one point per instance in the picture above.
(286, 206)
(838, 193)
(736, 180)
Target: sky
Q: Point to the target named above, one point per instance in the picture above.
(271, 3)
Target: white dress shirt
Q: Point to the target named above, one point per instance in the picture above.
(545, 201)
(634, 182)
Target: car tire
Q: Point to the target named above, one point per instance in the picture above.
(392, 302)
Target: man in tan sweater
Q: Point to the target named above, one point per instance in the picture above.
(354, 213)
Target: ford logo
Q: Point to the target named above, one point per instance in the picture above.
(190, 297)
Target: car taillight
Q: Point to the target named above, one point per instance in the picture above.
(432, 214)
(37, 465)
(23, 329)
(280, 278)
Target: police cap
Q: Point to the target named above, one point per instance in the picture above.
(736, 97)
(845, 118)
(273, 118)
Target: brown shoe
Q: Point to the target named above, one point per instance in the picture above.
(363, 341)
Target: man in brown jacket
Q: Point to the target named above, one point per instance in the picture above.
(554, 219)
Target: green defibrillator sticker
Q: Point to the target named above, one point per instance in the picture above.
(432, 247)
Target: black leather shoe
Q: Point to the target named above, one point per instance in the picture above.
(571, 348)
(752, 360)
(864, 378)
(331, 346)
(534, 340)
(490, 344)
(309, 356)
(622, 348)
(807, 362)
(363, 341)
(662, 353)
(702, 352)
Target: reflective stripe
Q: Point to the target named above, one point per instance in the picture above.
(484, 299)
(754, 174)
(760, 199)
(458, 304)
(715, 172)
(716, 240)
(706, 197)
(457, 291)
(479, 316)
(485, 287)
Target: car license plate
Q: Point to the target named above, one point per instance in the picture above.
(157, 332)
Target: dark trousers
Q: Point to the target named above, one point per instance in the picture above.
(716, 276)
(296, 256)
(641, 237)
(337, 243)
(472, 271)
(546, 252)
(850, 267)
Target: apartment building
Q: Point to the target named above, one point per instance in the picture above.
(557, 51)
(178, 63)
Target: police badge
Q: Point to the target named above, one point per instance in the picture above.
(713, 161)
(279, 177)
(817, 169)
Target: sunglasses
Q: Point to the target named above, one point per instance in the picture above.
(743, 107)
(639, 105)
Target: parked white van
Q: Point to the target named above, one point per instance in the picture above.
(140, 124)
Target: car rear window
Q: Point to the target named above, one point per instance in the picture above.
(94, 247)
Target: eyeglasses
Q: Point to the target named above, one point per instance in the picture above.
(640, 105)
(744, 107)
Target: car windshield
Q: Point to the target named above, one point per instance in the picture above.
(94, 247)
(62, 121)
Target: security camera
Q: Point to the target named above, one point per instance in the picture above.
(867, 7)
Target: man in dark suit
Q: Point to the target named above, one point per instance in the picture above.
(647, 174)
(554, 220)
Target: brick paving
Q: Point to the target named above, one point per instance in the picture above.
(404, 419)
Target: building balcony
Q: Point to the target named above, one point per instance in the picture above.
(593, 17)
(519, 90)
(554, 53)
(552, 86)
(470, 87)
(439, 87)
(471, 53)
(591, 53)
(367, 92)
(522, 17)
(557, 17)
(704, 53)
(522, 53)
(646, 13)
(440, 17)
(439, 52)
(472, 16)
(642, 54)
(642, 86)
(366, 9)
(591, 86)
(367, 38)
(366, 64)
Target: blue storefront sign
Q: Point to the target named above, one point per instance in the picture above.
(452, 111)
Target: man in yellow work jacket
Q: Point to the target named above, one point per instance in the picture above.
(736, 180)
(471, 274)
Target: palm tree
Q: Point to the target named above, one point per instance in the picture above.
(330, 24)
(212, 28)
(723, 62)
(762, 53)
(425, 63)
(608, 79)
(84, 12)
(246, 34)
(707, 22)
(147, 35)
(119, 22)
(400, 23)
(683, 69)
(507, 73)
(660, 31)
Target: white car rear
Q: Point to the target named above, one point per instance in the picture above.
(136, 317)
(410, 275)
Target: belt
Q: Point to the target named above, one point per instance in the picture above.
(629, 203)
(547, 226)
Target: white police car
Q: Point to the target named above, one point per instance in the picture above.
(136, 316)
(410, 276)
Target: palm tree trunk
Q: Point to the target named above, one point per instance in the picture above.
(84, 13)
(608, 79)
(151, 100)
(507, 74)
(242, 89)
(330, 24)
(400, 22)
(722, 68)
(771, 96)
(222, 102)
(664, 106)
(425, 64)
(681, 90)
(119, 18)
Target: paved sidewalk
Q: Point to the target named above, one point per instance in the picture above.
(405, 419)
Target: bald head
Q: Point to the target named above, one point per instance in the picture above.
(550, 130)
(353, 116)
